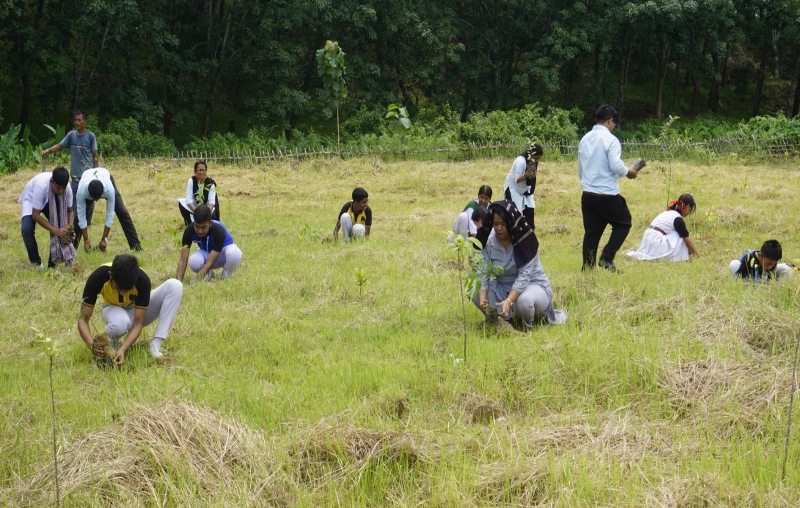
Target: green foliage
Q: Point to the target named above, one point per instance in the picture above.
(361, 281)
(16, 151)
(124, 138)
(397, 116)
(330, 66)
(519, 126)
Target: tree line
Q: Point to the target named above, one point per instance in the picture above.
(169, 63)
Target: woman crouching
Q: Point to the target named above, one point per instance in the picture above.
(522, 290)
(667, 236)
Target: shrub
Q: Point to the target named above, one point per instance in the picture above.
(124, 138)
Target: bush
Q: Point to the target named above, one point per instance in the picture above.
(519, 126)
(124, 138)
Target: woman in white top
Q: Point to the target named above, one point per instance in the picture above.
(667, 236)
(200, 190)
(521, 181)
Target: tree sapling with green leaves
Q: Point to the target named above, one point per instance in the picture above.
(50, 350)
(330, 66)
(361, 280)
(397, 116)
(463, 247)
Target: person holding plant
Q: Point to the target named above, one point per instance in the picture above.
(355, 218)
(200, 190)
(667, 236)
(761, 265)
(522, 290)
(467, 223)
(128, 306)
(47, 200)
(217, 249)
(599, 167)
(82, 144)
(95, 184)
(521, 181)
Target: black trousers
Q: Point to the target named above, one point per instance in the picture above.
(120, 211)
(599, 212)
(527, 212)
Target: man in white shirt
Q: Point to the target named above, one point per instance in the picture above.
(34, 199)
(599, 168)
(95, 184)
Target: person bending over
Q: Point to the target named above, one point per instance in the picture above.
(95, 184)
(216, 247)
(667, 236)
(467, 224)
(128, 306)
(46, 200)
(760, 265)
(355, 218)
(523, 289)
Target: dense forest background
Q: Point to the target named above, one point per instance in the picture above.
(189, 68)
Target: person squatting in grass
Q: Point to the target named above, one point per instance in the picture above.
(48, 196)
(599, 168)
(95, 184)
(667, 236)
(484, 198)
(200, 190)
(216, 247)
(128, 306)
(523, 289)
(521, 181)
(82, 144)
(760, 265)
(467, 224)
(355, 218)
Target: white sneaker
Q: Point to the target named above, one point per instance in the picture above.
(40, 267)
(155, 351)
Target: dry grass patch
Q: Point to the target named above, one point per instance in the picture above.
(520, 482)
(329, 453)
(694, 493)
(735, 395)
(175, 451)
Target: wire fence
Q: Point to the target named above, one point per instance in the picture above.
(729, 148)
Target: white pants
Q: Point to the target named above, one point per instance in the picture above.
(165, 300)
(349, 229)
(782, 270)
(229, 260)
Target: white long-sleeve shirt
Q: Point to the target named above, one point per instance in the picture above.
(600, 162)
(104, 176)
(36, 193)
(518, 189)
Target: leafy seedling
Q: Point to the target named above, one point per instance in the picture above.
(463, 247)
(51, 348)
(361, 280)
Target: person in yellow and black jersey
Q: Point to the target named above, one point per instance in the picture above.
(128, 305)
(355, 218)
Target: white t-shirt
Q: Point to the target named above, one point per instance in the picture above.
(36, 193)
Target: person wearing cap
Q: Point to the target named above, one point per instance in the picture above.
(521, 181)
(600, 166)
(468, 222)
(95, 184)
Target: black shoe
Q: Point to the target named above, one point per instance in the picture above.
(137, 248)
(608, 265)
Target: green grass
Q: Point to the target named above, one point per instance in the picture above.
(667, 387)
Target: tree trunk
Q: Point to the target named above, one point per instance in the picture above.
(166, 121)
(663, 55)
(675, 86)
(796, 101)
(24, 103)
(623, 81)
(762, 70)
(713, 93)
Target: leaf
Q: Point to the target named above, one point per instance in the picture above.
(405, 122)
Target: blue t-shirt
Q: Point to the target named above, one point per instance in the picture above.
(217, 238)
(80, 149)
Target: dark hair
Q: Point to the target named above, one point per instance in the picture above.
(606, 112)
(125, 271)
(686, 199)
(202, 214)
(60, 176)
(204, 163)
(96, 189)
(79, 112)
(485, 190)
(479, 213)
(359, 194)
(772, 249)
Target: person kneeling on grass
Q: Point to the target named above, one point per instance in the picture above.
(128, 306)
(217, 249)
(467, 224)
(355, 218)
(761, 264)
(667, 236)
(523, 289)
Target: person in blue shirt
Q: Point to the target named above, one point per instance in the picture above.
(217, 249)
(599, 167)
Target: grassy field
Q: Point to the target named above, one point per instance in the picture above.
(668, 386)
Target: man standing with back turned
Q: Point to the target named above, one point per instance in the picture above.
(599, 167)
